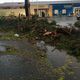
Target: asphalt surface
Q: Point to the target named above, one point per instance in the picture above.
(64, 20)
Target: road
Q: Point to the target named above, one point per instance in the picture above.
(64, 20)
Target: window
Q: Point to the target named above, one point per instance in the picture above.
(56, 12)
(64, 11)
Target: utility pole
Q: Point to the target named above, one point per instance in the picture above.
(27, 8)
(37, 8)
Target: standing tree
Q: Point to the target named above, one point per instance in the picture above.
(27, 8)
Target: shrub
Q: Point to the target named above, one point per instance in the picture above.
(23, 25)
(77, 24)
(53, 22)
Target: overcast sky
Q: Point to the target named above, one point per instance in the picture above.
(2, 1)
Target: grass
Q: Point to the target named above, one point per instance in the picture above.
(11, 36)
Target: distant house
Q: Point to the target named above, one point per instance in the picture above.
(43, 8)
(7, 9)
(66, 7)
(55, 7)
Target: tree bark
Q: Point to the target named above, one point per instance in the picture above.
(27, 8)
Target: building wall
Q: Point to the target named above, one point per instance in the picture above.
(7, 12)
(38, 9)
(50, 11)
(76, 8)
(62, 9)
(68, 8)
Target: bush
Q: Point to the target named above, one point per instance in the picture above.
(53, 22)
(77, 24)
(23, 25)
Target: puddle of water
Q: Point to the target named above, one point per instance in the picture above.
(60, 58)
(13, 67)
(2, 48)
(57, 57)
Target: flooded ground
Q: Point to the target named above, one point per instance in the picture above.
(60, 59)
(12, 67)
(19, 66)
(15, 67)
(64, 20)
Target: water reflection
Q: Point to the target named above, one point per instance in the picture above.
(60, 58)
(2, 48)
(17, 67)
(12, 66)
(57, 57)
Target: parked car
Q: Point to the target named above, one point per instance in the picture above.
(78, 16)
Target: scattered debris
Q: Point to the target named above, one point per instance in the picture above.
(16, 35)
